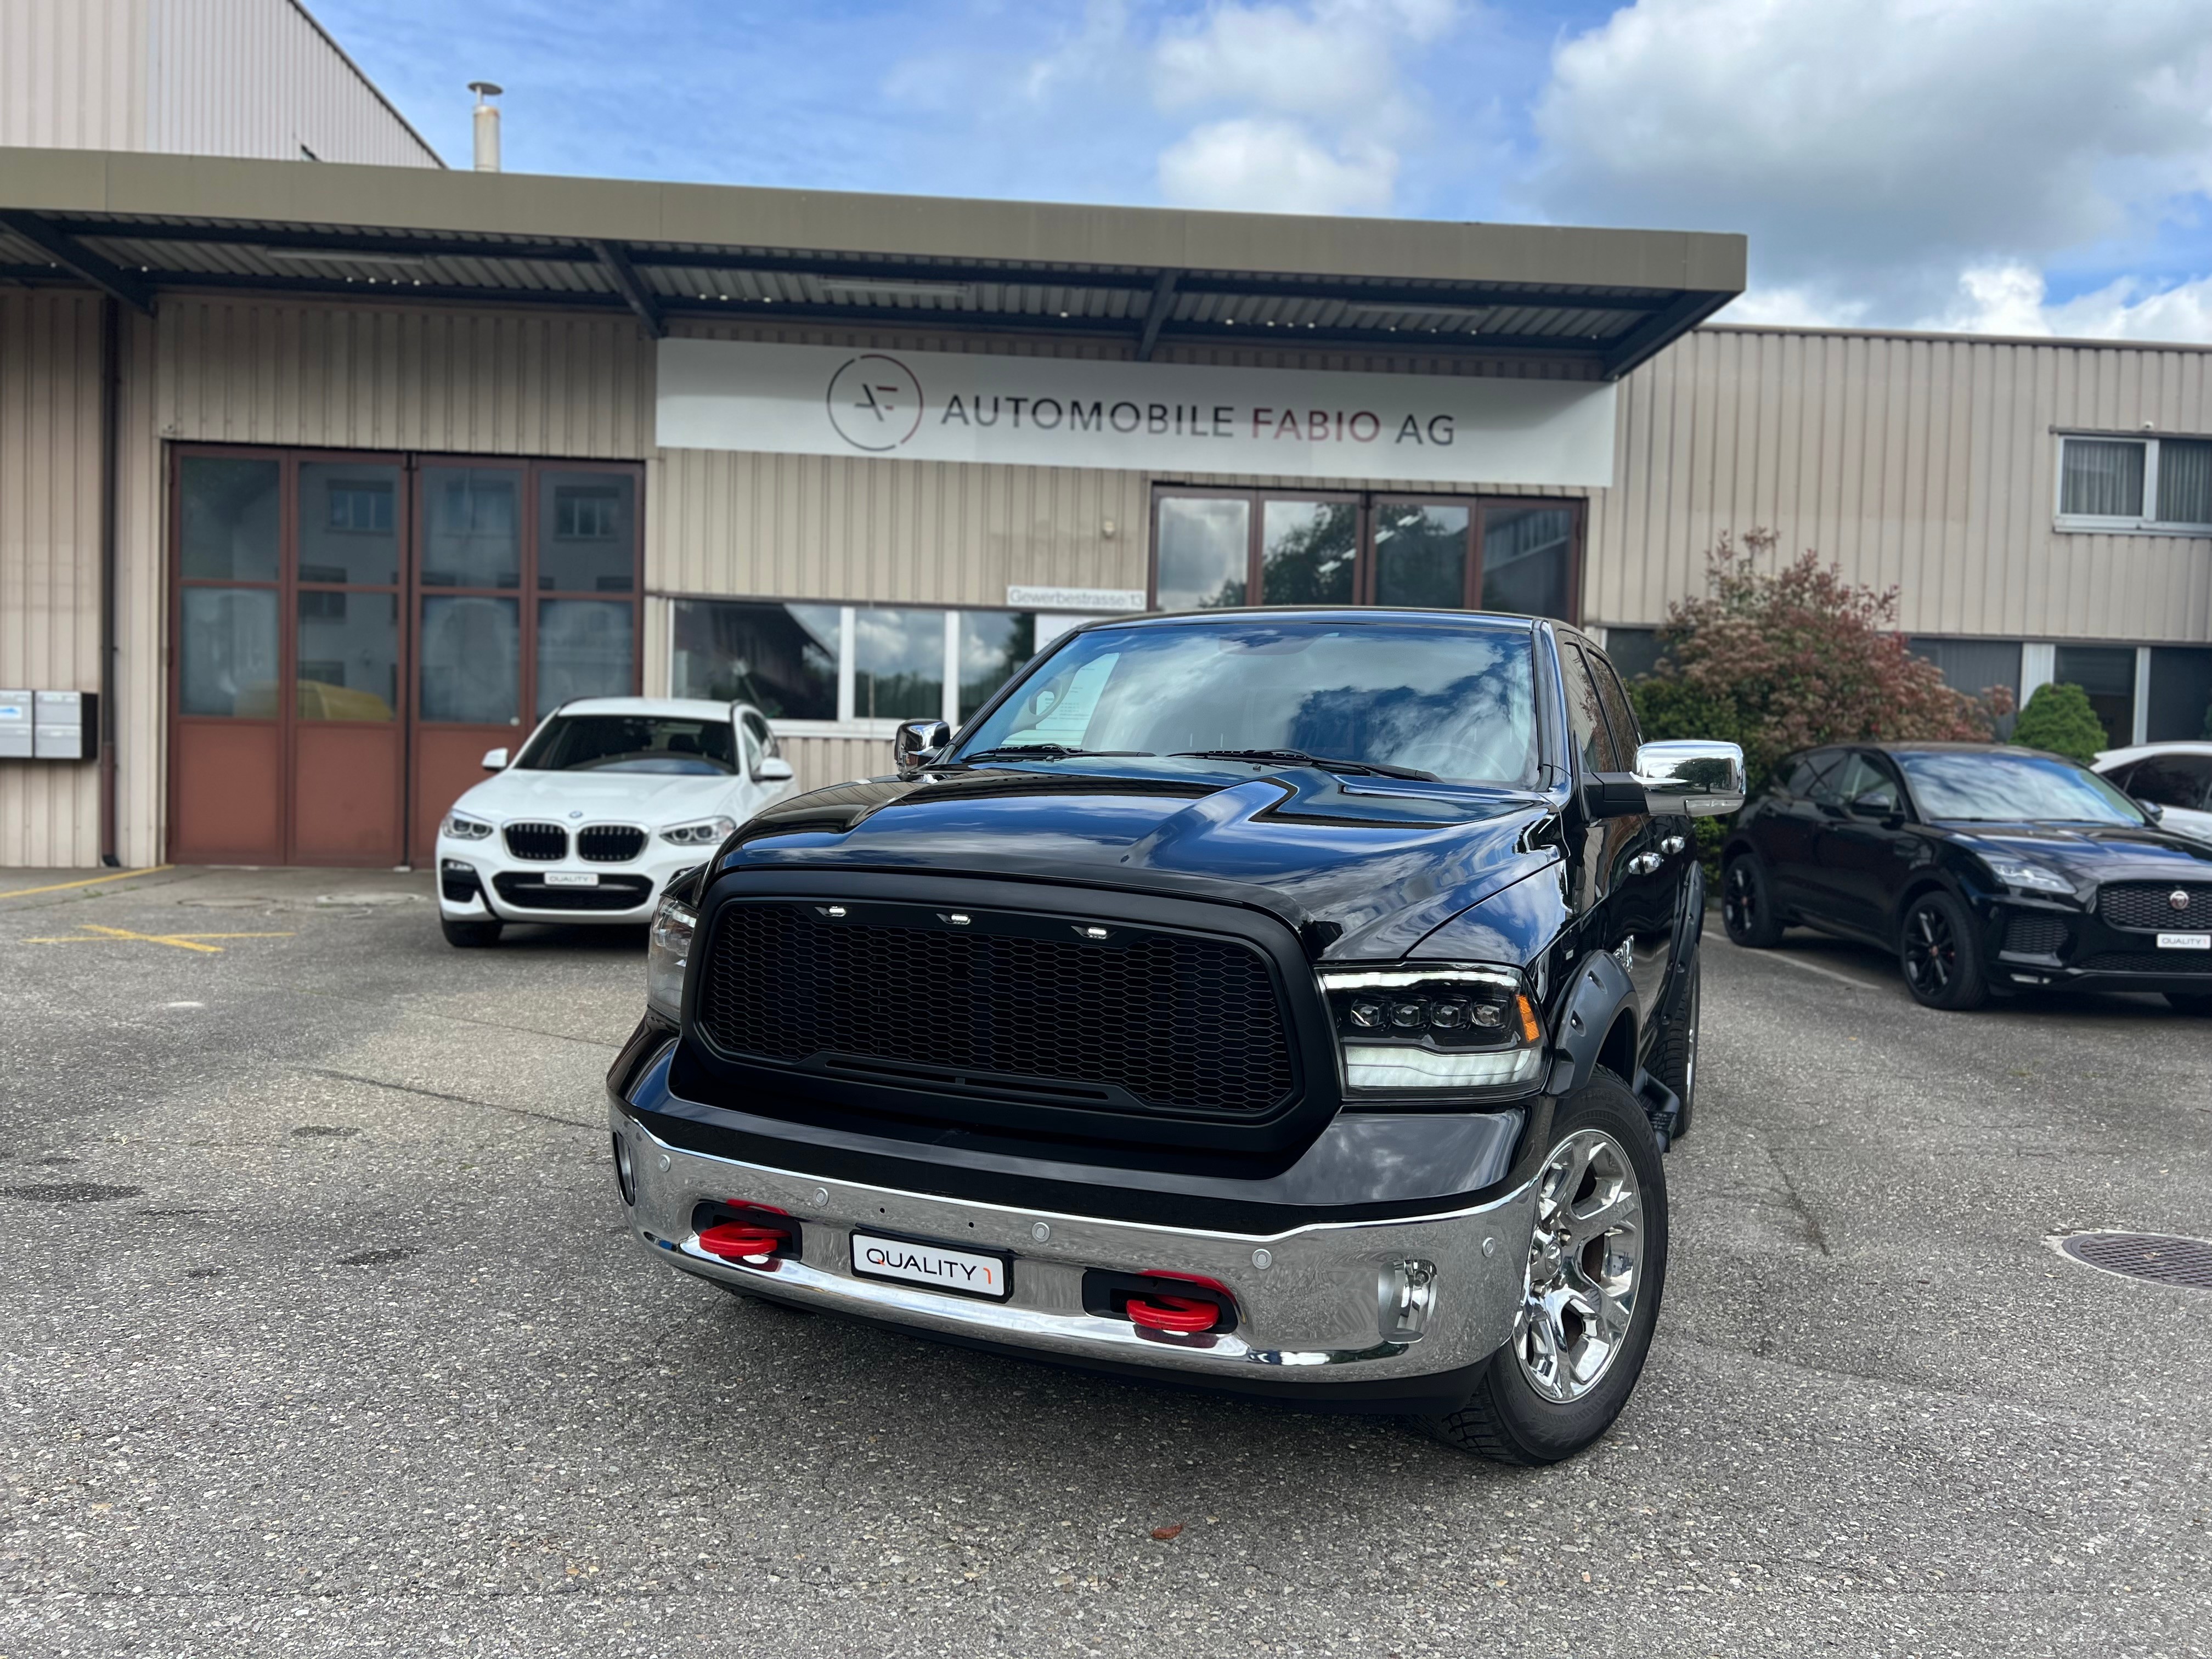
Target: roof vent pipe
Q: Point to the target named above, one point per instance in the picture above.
(487, 126)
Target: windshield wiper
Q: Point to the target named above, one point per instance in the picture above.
(1299, 757)
(1047, 752)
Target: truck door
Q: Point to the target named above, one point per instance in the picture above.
(1656, 862)
(1608, 845)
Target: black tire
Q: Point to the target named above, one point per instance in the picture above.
(1674, 1062)
(469, 935)
(1941, 954)
(2189, 1002)
(1747, 904)
(1505, 1418)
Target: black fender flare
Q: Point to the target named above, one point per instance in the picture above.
(1602, 990)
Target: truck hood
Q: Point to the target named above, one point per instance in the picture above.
(1362, 867)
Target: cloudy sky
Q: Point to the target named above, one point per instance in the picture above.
(2014, 166)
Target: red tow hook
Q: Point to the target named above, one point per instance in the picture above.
(743, 1241)
(1185, 1315)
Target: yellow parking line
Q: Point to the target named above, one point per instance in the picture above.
(90, 934)
(89, 881)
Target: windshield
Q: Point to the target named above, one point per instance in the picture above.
(1453, 699)
(1985, 788)
(632, 743)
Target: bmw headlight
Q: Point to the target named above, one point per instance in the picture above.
(707, 832)
(1444, 1028)
(2026, 875)
(461, 827)
(666, 953)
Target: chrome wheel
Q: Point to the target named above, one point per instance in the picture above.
(1584, 1263)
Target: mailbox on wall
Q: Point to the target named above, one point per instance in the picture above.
(48, 726)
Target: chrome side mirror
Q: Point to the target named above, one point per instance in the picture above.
(494, 760)
(1690, 778)
(771, 768)
(917, 742)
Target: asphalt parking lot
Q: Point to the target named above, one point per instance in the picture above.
(323, 1334)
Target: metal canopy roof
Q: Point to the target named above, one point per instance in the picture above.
(135, 226)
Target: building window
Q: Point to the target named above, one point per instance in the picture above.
(361, 508)
(2135, 484)
(589, 513)
(1213, 548)
(858, 670)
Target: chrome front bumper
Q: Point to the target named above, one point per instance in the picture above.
(1315, 1306)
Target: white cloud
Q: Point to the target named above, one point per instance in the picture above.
(1309, 106)
(1879, 151)
(1274, 167)
(2013, 298)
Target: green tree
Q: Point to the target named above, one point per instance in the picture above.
(2058, 717)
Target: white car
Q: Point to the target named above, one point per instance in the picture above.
(2175, 777)
(610, 798)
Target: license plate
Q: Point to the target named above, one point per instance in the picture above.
(971, 1273)
(572, 878)
(2184, 941)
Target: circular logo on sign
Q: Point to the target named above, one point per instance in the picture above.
(875, 402)
(2178, 898)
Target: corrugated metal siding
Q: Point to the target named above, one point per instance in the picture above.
(73, 74)
(1927, 462)
(394, 377)
(49, 558)
(258, 77)
(821, 762)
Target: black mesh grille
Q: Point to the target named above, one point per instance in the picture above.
(612, 893)
(2150, 905)
(609, 843)
(2035, 936)
(1185, 1022)
(544, 843)
(2151, 961)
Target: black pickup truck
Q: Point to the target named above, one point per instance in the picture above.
(1293, 1002)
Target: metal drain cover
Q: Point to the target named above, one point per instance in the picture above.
(2159, 1258)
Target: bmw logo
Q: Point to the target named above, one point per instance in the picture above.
(579, 815)
(2178, 898)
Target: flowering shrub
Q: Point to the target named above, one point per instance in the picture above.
(1780, 662)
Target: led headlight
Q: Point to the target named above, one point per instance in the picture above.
(707, 832)
(2026, 875)
(1441, 1029)
(462, 828)
(665, 955)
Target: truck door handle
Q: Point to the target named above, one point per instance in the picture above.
(1644, 864)
(1673, 845)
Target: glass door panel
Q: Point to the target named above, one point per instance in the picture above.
(1205, 551)
(227, 652)
(2107, 673)
(1420, 554)
(1307, 552)
(586, 531)
(348, 664)
(898, 665)
(349, 525)
(1527, 560)
(470, 651)
(586, 648)
(229, 519)
(472, 527)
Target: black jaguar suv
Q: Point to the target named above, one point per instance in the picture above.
(1990, 870)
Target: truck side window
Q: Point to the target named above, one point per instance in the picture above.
(1586, 712)
(1619, 712)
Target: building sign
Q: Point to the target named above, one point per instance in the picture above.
(1151, 417)
(1074, 599)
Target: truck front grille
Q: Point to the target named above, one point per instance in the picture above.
(1177, 1021)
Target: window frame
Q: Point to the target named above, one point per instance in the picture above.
(848, 723)
(1370, 503)
(2146, 523)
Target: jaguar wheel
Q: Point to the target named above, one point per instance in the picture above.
(1596, 1265)
(1747, 904)
(1941, 956)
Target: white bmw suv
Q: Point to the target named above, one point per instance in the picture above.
(610, 798)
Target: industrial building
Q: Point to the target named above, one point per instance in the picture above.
(326, 468)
